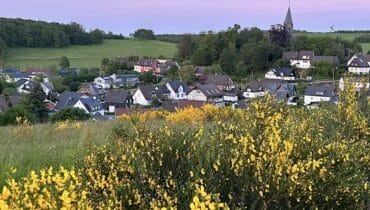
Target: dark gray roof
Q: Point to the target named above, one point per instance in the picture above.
(322, 90)
(219, 80)
(146, 62)
(257, 86)
(150, 91)
(10, 69)
(116, 96)
(361, 61)
(20, 82)
(328, 59)
(175, 84)
(301, 55)
(67, 99)
(286, 72)
(288, 18)
(210, 90)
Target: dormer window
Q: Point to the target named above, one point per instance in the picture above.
(319, 93)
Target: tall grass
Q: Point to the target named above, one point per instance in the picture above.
(43, 146)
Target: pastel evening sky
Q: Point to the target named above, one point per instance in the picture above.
(192, 16)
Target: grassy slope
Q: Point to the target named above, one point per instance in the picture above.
(90, 55)
(44, 146)
(347, 36)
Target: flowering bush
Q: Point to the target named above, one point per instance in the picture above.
(265, 157)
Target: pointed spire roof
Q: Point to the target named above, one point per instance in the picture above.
(288, 18)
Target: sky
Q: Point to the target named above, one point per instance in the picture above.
(192, 16)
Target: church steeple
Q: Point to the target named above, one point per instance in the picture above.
(288, 22)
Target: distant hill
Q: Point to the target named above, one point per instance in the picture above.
(86, 56)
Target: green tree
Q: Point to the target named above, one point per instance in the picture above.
(214, 69)
(173, 72)
(97, 36)
(64, 62)
(200, 57)
(322, 70)
(104, 62)
(147, 77)
(35, 103)
(74, 114)
(185, 47)
(74, 86)
(145, 34)
(187, 74)
(228, 58)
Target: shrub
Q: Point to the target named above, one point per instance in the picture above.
(73, 114)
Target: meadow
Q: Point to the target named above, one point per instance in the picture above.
(35, 147)
(89, 55)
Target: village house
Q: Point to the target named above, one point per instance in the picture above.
(90, 105)
(125, 80)
(306, 59)
(281, 90)
(157, 66)
(359, 64)
(104, 82)
(13, 74)
(145, 94)
(25, 86)
(47, 87)
(64, 72)
(33, 71)
(255, 89)
(318, 93)
(207, 92)
(177, 89)
(92, 90)
(361, 84)
(223, 82)
(286, 74)
(144, 65)
(118, 99)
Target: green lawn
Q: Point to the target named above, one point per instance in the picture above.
(90, 55)
(42, 146)
(347, 36)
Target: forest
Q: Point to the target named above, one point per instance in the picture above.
(31, 33)
(241, 51)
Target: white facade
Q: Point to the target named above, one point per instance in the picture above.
(358, 70)
(230, 98)
(196, 95)
(179, 95)
(315, 99)
(301, 64)
(271, 75)
(103, 82)
(140, 99)
(250, 94)
(94, 110)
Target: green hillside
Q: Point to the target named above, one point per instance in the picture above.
(88, 55)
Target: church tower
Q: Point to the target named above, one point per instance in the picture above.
(288, 22)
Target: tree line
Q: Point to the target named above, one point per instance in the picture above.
(31, 33)
(239, 52)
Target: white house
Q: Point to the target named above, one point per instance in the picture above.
(25, 86)
(207, 92)
(105, 82)
(306, 59)
(359, 64)
(90, 105)
(318, 93)
(177, 89)
(145, 94)
(361, 84)
(254, 90)
(285, 74)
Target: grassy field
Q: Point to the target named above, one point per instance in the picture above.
(42, 146)
(90, 55)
